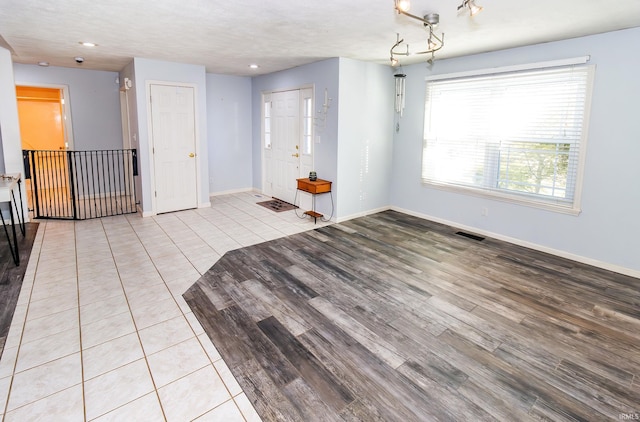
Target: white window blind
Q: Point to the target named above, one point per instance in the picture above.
(515, 135)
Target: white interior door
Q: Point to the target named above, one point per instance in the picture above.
(285, 144)
(174, 147)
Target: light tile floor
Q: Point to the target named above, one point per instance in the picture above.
(101, 331)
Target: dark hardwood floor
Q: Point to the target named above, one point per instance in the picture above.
(11, 276)
(394, 318)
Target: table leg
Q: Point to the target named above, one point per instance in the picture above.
(20, 213)
(12, 247)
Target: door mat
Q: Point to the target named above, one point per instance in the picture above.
(277, 205)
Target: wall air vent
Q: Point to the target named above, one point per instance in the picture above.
(471, 236)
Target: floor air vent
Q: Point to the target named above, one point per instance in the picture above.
(470, 236)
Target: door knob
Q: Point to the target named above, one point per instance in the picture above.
(295, 155)
(191, 155)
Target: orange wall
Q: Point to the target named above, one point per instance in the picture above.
(41, 120)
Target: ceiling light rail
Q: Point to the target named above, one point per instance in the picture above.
(430, 21)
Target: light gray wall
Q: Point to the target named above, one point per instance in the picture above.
(320, 75)
(94, 101)
(355, 139)
(605, 233)
(145, 70)
(132, 107)
(10, 141)
(229, 133)
(365, 135)
(9, 123)
(1, 150)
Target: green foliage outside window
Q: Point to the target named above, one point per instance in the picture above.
(539, 168)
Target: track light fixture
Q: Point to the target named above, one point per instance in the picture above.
(393, 53)
(430, 21)
(474, 9)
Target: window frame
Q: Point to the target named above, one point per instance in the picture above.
(306, 133)
(266, 122)
(514, 197)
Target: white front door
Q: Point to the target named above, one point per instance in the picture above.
(174, 147)
(285, 144)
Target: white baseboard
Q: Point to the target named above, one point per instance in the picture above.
(563, 254)
(362, 214)
(144, 213)
(231, 191)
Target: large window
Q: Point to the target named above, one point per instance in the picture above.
(516, 135)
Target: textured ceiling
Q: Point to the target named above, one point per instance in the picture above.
(279, 34)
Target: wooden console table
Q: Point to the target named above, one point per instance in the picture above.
(314, 187)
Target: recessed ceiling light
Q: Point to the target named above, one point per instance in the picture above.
(43, 64)
(88, 44)
(254, 66)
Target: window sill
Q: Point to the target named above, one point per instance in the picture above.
(508, 198)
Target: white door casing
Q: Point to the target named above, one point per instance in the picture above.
(173, 141)
(306, 144)
(66, 109)
(283, 141)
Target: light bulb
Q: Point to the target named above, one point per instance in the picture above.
(473, 8)
(403, 5)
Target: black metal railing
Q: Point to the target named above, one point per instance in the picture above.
(80, 185)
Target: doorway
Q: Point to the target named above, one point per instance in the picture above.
(287, 133)
(45, 125)
(174, 147)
